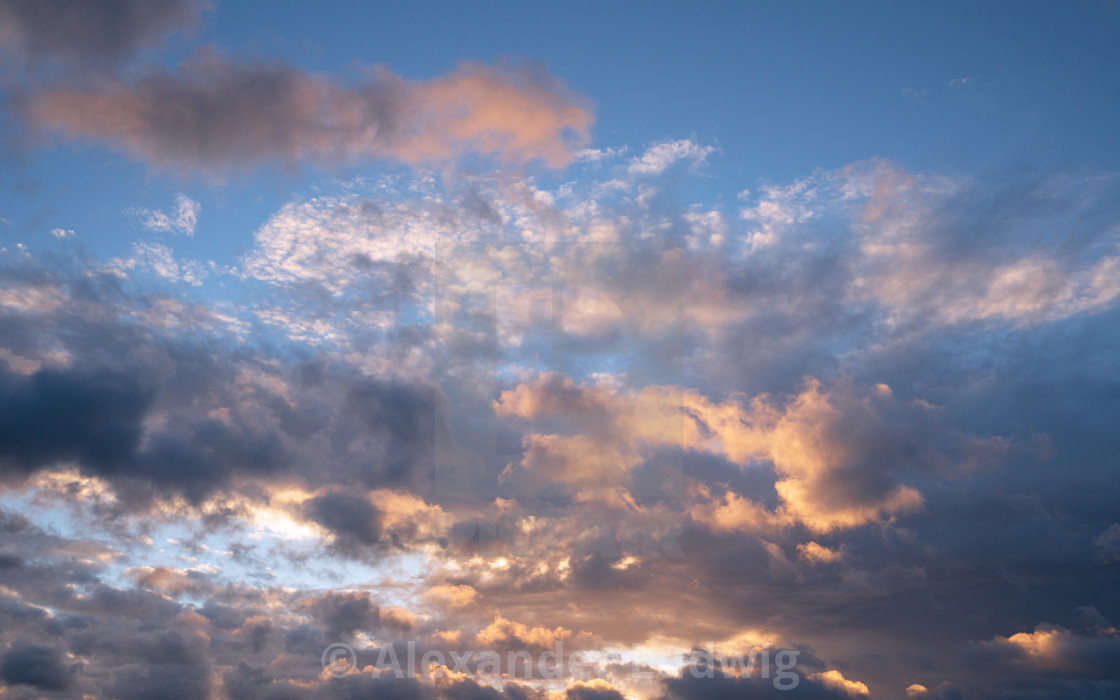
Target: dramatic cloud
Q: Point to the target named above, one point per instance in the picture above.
(838, 454)
(484, 412)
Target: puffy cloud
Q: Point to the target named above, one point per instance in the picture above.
(508, 634)
(215, 114)
(690, 686)
(352, 520)
(837, 681)
(345, 613)
(37, 666)
(838, 453)
(596, 689)
(459, 596)
(159, 419)
(1052, 650)
(53, 416)
(258, 448)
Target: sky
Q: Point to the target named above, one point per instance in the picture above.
(579, 351)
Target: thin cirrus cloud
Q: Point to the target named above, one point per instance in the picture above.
(215, 113)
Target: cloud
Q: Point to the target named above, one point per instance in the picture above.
(1053, 650)
(182, 220)
(660, 156)
(353, 521)
(1108, 543)
(37, 666)
(78, 33)
(506, 634)
(460, 596)
(161, 260)
(215, 115)
(161, 418)
(279, 459)
(596, 689)
(821, 686)
(839, 453)
(819, 554)
(920, 256)
(53, 416)
(836, 680)
(348, 612)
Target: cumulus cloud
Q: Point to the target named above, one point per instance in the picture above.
(836, 680)
(1054, 650)
(839, 453)
(216, 114)
(36, 666)
(279, 460)
(508, 634)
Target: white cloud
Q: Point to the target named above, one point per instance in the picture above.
(599, 155)
(62, 232)
(660, 156)
(161, 260)
(182, 220)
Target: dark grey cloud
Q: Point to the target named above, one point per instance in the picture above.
(397, 423)
(585, 692)
(80, 32)
(343, 614)
(37, 666)
(353, 521)
(95, 413)
(688, 686)
(91, 418)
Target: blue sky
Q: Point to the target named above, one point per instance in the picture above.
(645, 328)
(781, 89)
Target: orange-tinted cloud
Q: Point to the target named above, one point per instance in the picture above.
(217, 113)
(838, 452)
